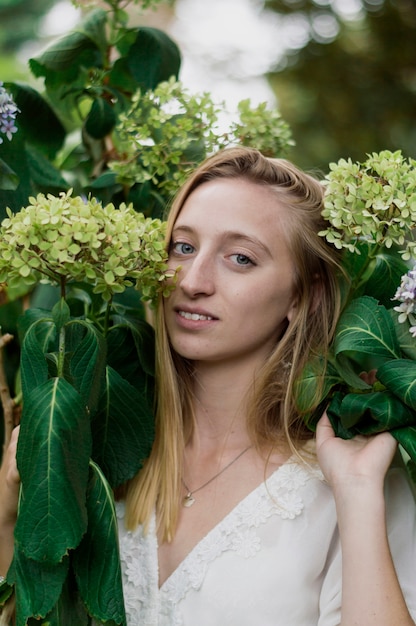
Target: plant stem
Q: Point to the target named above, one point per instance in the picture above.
(61, 352)
(107, 317)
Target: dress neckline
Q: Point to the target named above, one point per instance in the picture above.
(268, 497)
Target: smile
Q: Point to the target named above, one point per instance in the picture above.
(194, 316)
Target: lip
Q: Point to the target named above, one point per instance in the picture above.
(192, 317)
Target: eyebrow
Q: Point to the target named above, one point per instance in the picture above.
(230, 235)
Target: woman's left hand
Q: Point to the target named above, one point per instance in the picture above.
(363, 459)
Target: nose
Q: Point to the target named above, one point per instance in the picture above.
(196, 278)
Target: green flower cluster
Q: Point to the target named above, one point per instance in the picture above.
(168, 131)
(65, 238)
(162, 136)
(374, 200)
(262, 128)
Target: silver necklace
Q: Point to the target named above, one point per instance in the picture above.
(189, 499)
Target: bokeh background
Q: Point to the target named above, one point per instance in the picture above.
(342, 72)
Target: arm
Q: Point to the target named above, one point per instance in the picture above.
(9, 495)
(356, 469)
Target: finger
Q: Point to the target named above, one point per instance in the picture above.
(324, 430)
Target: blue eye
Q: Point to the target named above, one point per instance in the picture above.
(242, 259)
(181, 247)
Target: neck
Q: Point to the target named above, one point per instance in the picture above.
(220, 405)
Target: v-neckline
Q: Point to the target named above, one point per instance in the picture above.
(169, 581)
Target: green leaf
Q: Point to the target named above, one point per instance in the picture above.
(399, 377)
(87, 364)
(6, 591)
(67, 56)
(406, 341)
(43, 173)
(60, 314)
(37, 585)
(9, 180)
(152, 58)
(365, 333)
(69, 609)
(374, 412)
(37, 120)
(96, 562)
(14, 154)
(315, 384)
(33, 364)
(53, 454)
(101, 119)
(382, 284)
(407, 438)
(123, 430)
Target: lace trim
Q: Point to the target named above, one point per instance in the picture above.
(236, 532)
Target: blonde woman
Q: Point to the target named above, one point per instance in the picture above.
(240, 516)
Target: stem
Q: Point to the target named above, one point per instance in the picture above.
(61, 352)
(107, 317)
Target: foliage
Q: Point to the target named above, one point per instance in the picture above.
(371, 210)
(95, 159)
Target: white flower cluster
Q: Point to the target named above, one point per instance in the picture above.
(406, 295)
(8, 112)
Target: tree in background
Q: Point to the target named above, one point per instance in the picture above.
(351, 88)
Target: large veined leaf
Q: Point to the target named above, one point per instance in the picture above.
(48, 134)
(406, 341)
(123, 429)
(101, 119)
(69, 609)
(37, 585)
(87, 364)
(366, 333)
(400, 378)
(152, 58)
(131, 352)
(96, 562)
(80, 48)
(53, 455)
(43, 174)
(36, 342)
(374, 412)
(387, 271)
(14, 154)
(315, 384)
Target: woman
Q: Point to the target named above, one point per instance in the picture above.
(232, 520)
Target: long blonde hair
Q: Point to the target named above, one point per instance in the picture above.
(272, 413)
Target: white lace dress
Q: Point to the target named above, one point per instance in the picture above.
(273, 561)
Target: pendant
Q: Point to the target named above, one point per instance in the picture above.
(188, 500)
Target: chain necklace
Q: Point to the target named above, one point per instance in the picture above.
(189, 499)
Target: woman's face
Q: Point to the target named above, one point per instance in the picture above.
(235, 288)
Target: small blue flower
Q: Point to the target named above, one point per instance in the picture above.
(8, 112)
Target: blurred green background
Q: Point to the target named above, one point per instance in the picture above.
(346, 82)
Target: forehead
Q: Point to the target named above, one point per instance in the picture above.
(226, 204)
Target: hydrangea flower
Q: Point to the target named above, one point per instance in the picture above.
(406, 295)
(65, 238)
(374, 200)
(8, 112)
